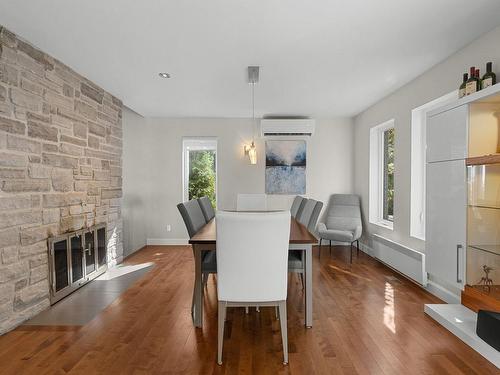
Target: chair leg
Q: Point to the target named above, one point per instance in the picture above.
(351, 254)
(276, 312)
(257, 308)
(320, 248)
(192, 307)
(330, 247)
(246, 309)
(284, 335)
(357, 247)
(220, 335)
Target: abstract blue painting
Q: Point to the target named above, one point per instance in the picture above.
(285, 167)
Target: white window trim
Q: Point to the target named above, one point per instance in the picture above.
(376, 180)
(418, 157)
(197, 143)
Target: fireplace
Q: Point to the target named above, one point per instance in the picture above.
(75, 259)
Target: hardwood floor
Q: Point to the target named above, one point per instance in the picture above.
(367, 320)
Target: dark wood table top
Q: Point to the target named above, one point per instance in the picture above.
(298, 234)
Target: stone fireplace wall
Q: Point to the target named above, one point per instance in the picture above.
(60, 169)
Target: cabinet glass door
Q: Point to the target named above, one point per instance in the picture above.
(76, 257)
(483, 230)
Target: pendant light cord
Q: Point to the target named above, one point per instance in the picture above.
(253, 112)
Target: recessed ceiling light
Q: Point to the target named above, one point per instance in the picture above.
(164, 75)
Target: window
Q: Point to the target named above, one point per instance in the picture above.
(418, 170)
(388, 192)
(381, 185)
(199, 159)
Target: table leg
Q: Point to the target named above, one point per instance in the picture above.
(308, 289)
(198, 288)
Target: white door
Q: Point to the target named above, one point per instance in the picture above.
(446, 135)
(446, 218)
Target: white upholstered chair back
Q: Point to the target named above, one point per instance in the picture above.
(251, 202)
(252, 256)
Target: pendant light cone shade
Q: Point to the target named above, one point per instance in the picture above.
(252, 153)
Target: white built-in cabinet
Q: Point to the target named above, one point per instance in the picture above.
(446, 195)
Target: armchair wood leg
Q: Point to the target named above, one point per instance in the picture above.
(357, 247)
(320, 248)
(351, 254)
(330, 247)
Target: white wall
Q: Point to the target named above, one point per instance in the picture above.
(329, 167)
(135, 177)
(440, 80)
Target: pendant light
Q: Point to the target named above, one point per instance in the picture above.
(253, 78)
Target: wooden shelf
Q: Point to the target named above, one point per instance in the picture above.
(476, 298)
(481, 160)
(486, 206)
(492, 249)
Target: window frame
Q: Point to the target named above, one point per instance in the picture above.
(377, 175)
(197, 144)
(418, 162)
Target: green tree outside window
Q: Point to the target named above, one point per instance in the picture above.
(202, 175)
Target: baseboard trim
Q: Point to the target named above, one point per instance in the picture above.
(442, 293)
(167, 241)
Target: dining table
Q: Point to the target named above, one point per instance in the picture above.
(300, 240)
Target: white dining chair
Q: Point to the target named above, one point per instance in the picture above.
(251, 202)
(252, 265)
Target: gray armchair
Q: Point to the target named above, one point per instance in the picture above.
(343, 221)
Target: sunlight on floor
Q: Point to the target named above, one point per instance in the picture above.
(389, 308)
(120, 270)
(347, 272)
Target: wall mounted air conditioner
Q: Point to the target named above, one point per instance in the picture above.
(287, 127)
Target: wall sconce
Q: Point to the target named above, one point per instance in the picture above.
(251, 151)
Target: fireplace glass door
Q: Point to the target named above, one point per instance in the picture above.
(101, 247)
(60, 265)
(90, 253)
(77, 258)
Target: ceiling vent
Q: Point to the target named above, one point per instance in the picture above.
(287, 127)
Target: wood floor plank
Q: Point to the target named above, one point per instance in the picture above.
(367, 320)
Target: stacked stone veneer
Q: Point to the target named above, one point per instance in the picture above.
(60, 169)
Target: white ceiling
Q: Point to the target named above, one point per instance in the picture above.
(322, 58)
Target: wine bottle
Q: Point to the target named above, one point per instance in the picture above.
(461, 90)
(489, 78)
(472, 84)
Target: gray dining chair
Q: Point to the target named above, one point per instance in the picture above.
(343, 221)
(297, 205)
(309, 214)
(206, 208)
(309, 218)
(194, 220)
